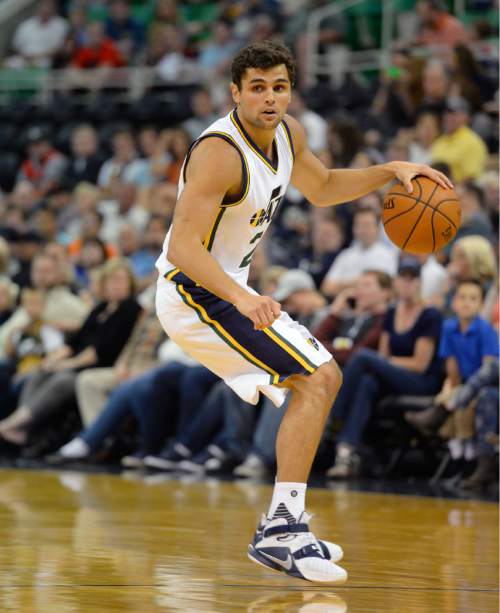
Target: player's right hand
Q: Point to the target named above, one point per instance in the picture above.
(261, 310)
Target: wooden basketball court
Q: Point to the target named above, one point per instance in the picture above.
(79, 542)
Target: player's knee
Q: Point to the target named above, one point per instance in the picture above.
(326, 381)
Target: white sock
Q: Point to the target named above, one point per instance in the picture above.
(77, 448)
(456, 448)
(292, 497)
(470, 450)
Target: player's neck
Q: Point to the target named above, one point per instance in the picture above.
(262, 138)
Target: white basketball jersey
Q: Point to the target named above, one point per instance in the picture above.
(241, 223)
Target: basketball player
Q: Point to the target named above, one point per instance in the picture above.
(232, 182)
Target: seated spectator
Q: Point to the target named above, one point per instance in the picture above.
(97, 343)
(327, 240)
(356, 317)
(315, 126)
(144, 258)
(483, 388)
(459, 146)
(63, 310)
(85, 198)
(438, 27)
(366, 252)
(125, 165)
(436, 83)
(38, 38)
(154, 398)
(139, 355)
(44, 166)
(472, 257)
(44, 224)
(406, 363)
(99, 51)
(128, 34)
(123, 207)
(178, 147)
(92, 256)
(434, 280)
(85, 160)
(426, 131)
(217, 55)
(475, 220)
(175, 63)
(27, 345)
(400, 93)
(90, 229)
(467, 343)
(300, 298)
(202, 113)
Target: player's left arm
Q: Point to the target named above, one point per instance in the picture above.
(324, 187)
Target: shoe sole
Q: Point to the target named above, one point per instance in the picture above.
(256, 557)
(160, 465)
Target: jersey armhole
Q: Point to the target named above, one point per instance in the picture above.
(234, 200)
(289, 138)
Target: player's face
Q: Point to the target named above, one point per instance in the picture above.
(467, 301)
(264, 96)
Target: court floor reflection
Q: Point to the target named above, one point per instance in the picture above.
(84, 542)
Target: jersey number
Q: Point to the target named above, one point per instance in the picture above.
(272, 207)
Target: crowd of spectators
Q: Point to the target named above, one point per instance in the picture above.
(86, 372)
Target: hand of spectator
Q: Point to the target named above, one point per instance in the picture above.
(340, 304)
(405, 172)
(64, 364)
(122, 373)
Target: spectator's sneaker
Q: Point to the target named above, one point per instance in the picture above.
(347, 463)
(331, 551)
(253, 466)
(288, 546)
(211, 459)
(135, 460)
(168, 459)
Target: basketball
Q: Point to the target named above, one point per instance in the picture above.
(423, 221)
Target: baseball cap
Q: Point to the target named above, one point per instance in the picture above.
(457, 104)
(291, 281)
(409, 265)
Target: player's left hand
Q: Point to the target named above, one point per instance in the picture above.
(406, 171)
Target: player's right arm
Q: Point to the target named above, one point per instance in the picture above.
(214, 170)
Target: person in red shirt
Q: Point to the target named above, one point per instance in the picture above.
(438, 26)
(99, 51)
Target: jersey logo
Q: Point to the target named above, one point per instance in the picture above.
(263, 216)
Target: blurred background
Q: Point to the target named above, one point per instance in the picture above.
(99, 102)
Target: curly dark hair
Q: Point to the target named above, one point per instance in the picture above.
(262, 55)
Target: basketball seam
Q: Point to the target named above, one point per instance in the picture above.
(432, 222)
(420, 216)
(417, 200)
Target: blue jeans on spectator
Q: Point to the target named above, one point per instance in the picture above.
(486, 420)
(153, 398)
(368, 377)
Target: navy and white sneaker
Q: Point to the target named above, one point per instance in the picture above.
(286, 545)
(330, 550)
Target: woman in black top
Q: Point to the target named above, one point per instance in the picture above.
(406, 363)
(96, 344)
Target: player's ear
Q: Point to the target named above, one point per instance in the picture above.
(235, 93)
